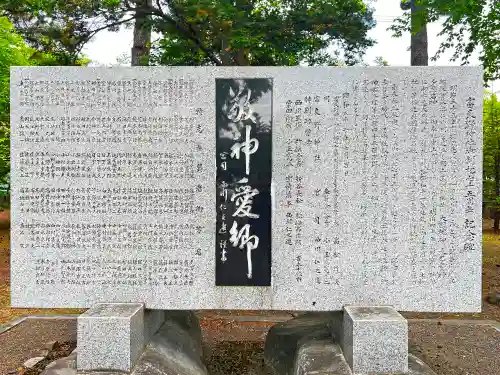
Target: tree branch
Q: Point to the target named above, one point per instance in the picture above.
(189, 33)
(127, 5)
(159, 6)
(93, 32)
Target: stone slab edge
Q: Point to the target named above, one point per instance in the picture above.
(16, 321)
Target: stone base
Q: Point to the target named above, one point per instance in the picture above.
(111, 336)
(175, 349)
(375, 340)
(320, 357)
(153, 320)
(306, 346)
(284, 340)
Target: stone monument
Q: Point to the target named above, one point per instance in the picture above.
(316, 189)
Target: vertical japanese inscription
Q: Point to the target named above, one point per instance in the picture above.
(243, 184)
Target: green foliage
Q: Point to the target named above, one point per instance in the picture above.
(203, 32)
(13, 52)
(405, 4)
(491, 149)
(60, 27)
(176, 51)
(284, 32)
(380, 61)
(468, 26)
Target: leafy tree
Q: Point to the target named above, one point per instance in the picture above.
(283, 32)
(59, 27)
(491, 156)
(203, 32)
(469, 25)
(14, 52)
(419, 55)
(142, 36)
(380, 61)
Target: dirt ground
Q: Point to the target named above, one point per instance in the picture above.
(455, 349)
(491, 280)
(448, 349)
(23, 341)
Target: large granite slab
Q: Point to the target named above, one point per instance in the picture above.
(375, 191)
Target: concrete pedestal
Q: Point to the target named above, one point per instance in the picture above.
(312, 344)
(375, 340)
(112, 336)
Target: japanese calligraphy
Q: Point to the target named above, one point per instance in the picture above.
(242, 239)
(243, 180)
(248, 147)
(244, 199)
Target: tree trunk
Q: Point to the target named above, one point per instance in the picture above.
(225, 54)
(142, 36)
(240, 57)
(419, 45)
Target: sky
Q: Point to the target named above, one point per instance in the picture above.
(106, 47)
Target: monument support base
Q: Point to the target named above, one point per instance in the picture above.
(374, 339)
(112, 336)
(175, 348)
(319, 344)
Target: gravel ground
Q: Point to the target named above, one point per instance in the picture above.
(449, 349)
(62, 350)
(18, 343)
(452, 349)
(236, 357)
(216, 329)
